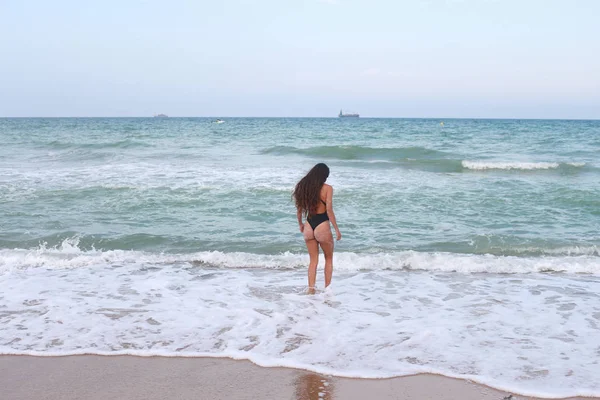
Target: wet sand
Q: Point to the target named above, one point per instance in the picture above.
(158, 378)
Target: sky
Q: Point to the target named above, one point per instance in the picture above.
(302, 58)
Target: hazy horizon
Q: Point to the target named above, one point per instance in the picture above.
(209, 117)
(481, 59)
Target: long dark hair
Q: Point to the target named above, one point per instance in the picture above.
(307, 191)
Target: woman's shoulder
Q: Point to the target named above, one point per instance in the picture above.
(327, 187)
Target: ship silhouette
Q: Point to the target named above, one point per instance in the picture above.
(347, 115)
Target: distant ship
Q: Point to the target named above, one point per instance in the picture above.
(349, 115)
(161, 116)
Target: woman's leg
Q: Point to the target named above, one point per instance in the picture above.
(313, 252)
(323, 235)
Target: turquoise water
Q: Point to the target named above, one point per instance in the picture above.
(470, 249)
(184, 185)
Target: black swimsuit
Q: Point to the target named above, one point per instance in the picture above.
(317, 219)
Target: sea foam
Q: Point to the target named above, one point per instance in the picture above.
(534, 334)
(69, 256)
(515, 165)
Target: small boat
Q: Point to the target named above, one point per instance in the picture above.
(218, 121)
(161, 116)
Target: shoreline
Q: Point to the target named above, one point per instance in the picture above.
(133, 377)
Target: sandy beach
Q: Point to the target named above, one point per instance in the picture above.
(148, 378)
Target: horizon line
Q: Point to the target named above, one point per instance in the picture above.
(311, 117)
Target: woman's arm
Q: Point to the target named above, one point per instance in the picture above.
(331, 214)
(299, 216)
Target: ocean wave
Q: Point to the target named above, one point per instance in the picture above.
(416, 157)
(68, 255)
(360, 152)
(117, 144)
(516, 165)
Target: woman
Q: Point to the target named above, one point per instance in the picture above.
(314, 200)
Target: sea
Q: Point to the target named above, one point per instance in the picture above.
(470, 248)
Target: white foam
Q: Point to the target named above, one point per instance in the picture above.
(533, 334)
(483, 165)
(69, 256)
(174, 174)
